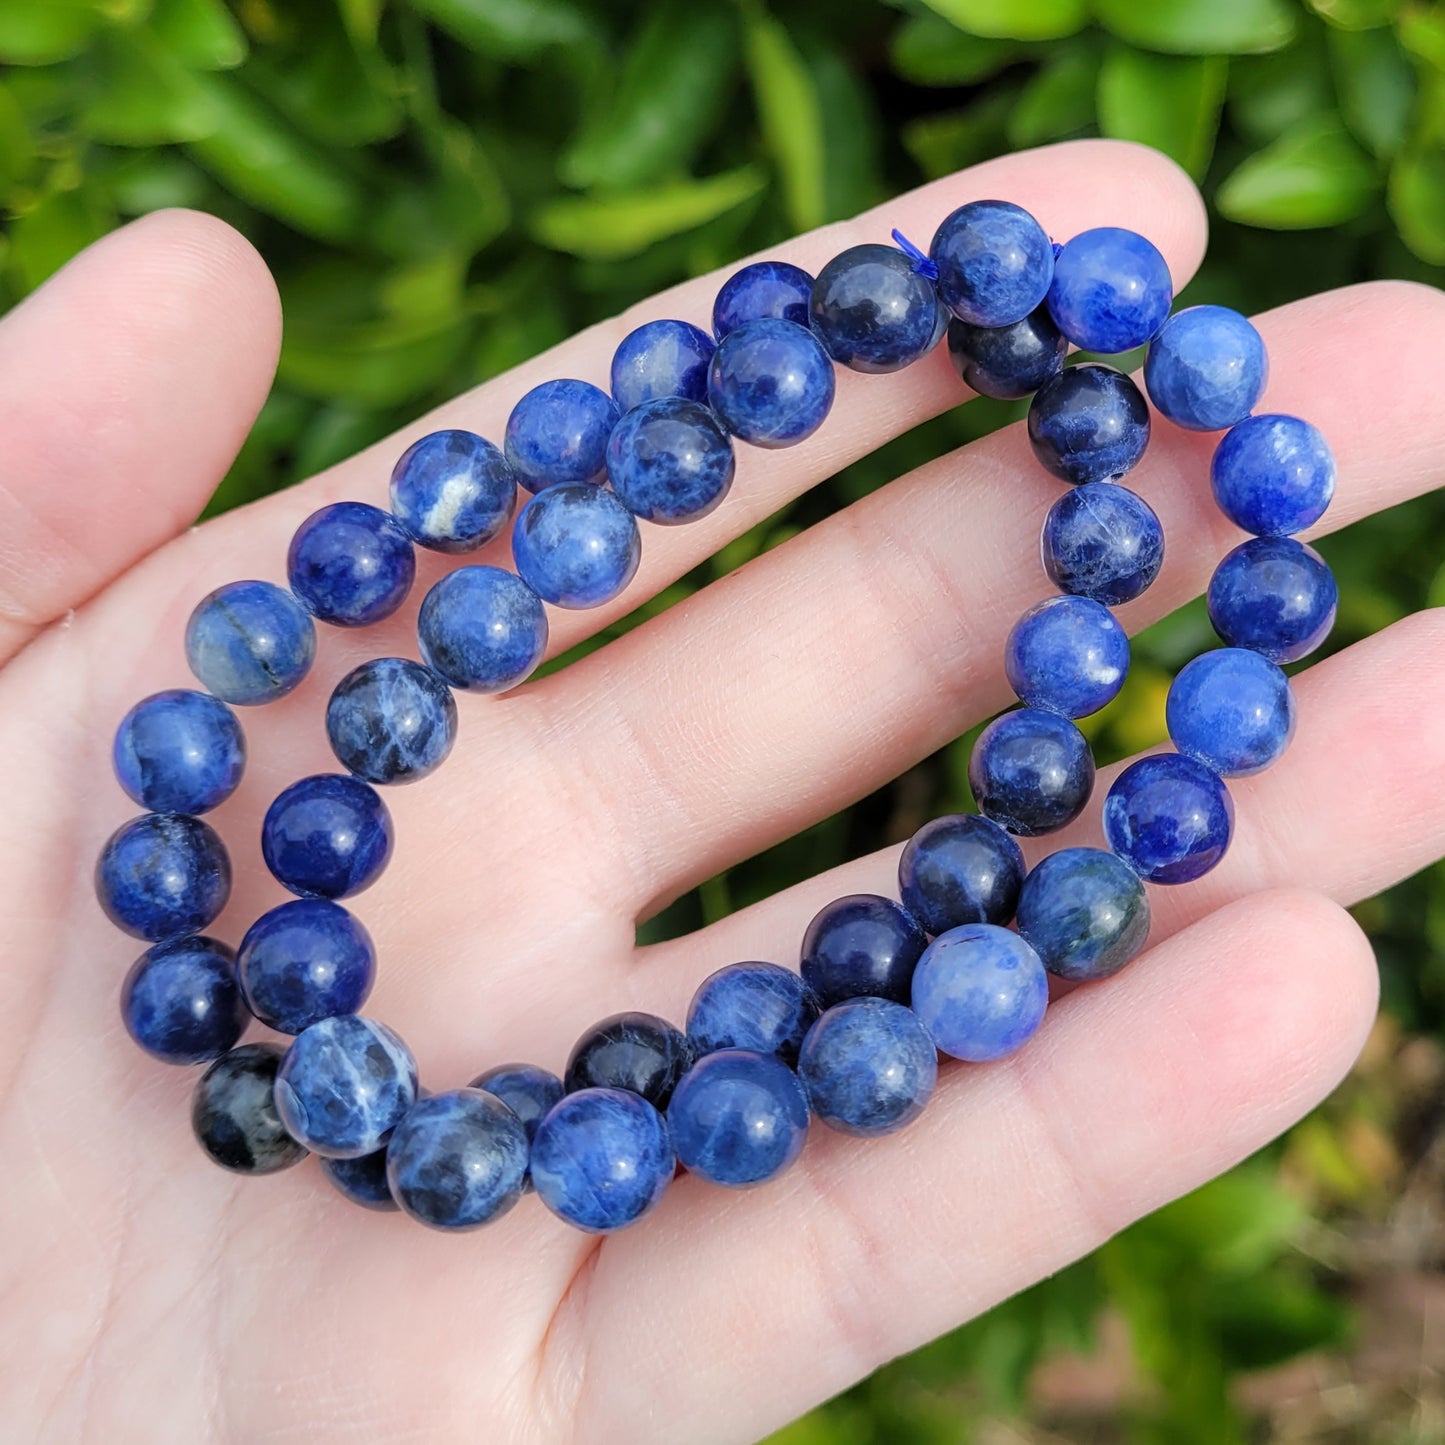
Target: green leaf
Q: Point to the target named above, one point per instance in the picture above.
(1015, 19)
(41, 32)
(1355, 14)
(362, 18)
(144, 96)
(1417, 202)
(154, 180)
(951, 140)
(1058, 100)
(45, 237)
(1200, 27)
(1422, 33)
(17, 145)
(201, 33)
(792, 121)
(1376, 86)
(1162, 101)
(509, 29)
(1314, 176)
(927, 50)
(1270, 94)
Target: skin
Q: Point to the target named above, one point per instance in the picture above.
(150, 1296)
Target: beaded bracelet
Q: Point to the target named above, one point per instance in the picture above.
(884, 987)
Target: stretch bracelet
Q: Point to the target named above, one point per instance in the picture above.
(853, 1037)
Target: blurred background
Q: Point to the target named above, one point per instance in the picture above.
(445, 187)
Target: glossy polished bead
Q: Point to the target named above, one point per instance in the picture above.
(1031, 771)
(1275, 596)
(638, 1052)
(1068, 655)
(1008, 362)
(1273, 475)
(771, 382)
(980, 991)
(872, 310)
(869, 1067)
(250, 642)
(765, 289)
(1207, 368)
(344, 1085)
(1089, 424)
(180, 1002)
(391, 720)
(601, 1159)
(327, 836)
(576, 546)
(558, 433)
(994, 263)
(305, 961)
(162, 875)
(482, 629)
(861, 944)
(1111, 290)
(1169, 818)
(529, 1092)
(453, 491)
(1102, 541)
(757, 1006)
(661, 358)
(1233, 710)
(670, 460)
(1084, 912)
(362, 1180)
(960, 869)
(179, 752)
(351, 564)
(738, 1118)
(234, 1116)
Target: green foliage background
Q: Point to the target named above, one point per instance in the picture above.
(445, 187)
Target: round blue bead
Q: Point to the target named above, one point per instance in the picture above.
(638, 1052)
(482, 629)
(305, 961)
(234, 1115)
(1084, 912)
(1274, 596)
(1008, 362)
(1089, 424)
(601, 1159)
(179, 752)
(180, 1002)
(1169, 818)
(1068, 655)
(452, 491)
(757, 1006)
(661, 358)
(351, 564)
(771, 382)
(1031, 771)
(994, 263)
(558, 433)
(391, 720)
(576, 546)
(980, 991)
(327, 836)
(529, 1092)
(1207, 368)
(861, 944)
(162, 875)
(872, 311)
(1233, 710)
(362, 1180)
(765, 289)
(869, 1067)
(1273, 475)
(250, 642)
(1102, 541)
(670, 460)
(960, 869)
(1111, 290)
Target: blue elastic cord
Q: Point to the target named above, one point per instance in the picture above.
(921, 263)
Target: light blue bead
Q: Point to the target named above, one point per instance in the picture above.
(250, 642)
(180, 1002)
(391, 720)
(351, 564)
(362, 1181)
(1275, 596)
(1273, 475)
(861, 944)
(994, 263)
(1102, 541)
(1031, 771)
(576, 546)
(453, 491)
(1008, 362)
(771, 383)
(163, 875)
(670, 461)
(765, 289)
(1084, 912)
(873, 311)
(1089, 424)
(1169, 818)
(179, 752)
(482, 629)
(1207, 368)
(661, 358)
(757, 1006)
(1067, 655)
(234, 1117)
(558, 434)
(327, 836)
(1233, 710)
(305, 961)
(1111, 290)
(960, 869)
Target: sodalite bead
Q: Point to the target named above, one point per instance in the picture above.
(1031, 771)
(1102, 541)
(1084, 912)
(869, 1067)
(305, 961)
(391, 720)
(234, 1116)
(344, 1085)
(452, 491)
(576, 546)
(757, 1006)
(327, 836)
(1275, 596)
(1068, 655)
(1207, 368)
(661, 358)
(1111, 290)
(960, 869)
(980, 991)
(179, 752)
(771, 382)
(362, 1181)
(872, 311)
(529, 1092)
(601, 1159)
(861, 944)
(1273, 475)
(180, 1002)
(1233, 710)
(994, 263)
(250, 642)
(351, 564)
(457, 1160)
(482, 629)
(738, 1118)
(162, 875)
(558, 433)
(1089, 424)
(1008, 362)
(765, 289)
(634, 1051)
(1169, 818)
(670, 460)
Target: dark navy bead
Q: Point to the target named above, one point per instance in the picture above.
(670, 460)
(351, 564)
(180, 1002)
(558, 433)
(1084, 912)
(576, 546)
(757, 1006)
(163, 875)
(1089, 424)
(869, 1067)
(250, 642)
(362, 1180)
(233, 1113)
(1102, 541)
(1068, 655)
(634, 1051)
(1207, 368)
(179, 752)
(861, 944)
(1031, 771)
(872, 311)
(391, 720)
(601, 1159)
(994, 263)
(738, 1118)
(1008, 362)
(529, 1092)
(452, 491)
(661, 358)
(305, 961)
(1169, 818)
(980, 991)
(1275, 596)
(771, 382)
(1111, 290)
(482, 629)
(960, 869)
(1273, 475)
(327, 836)
(1233, 710)
(764, 289)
